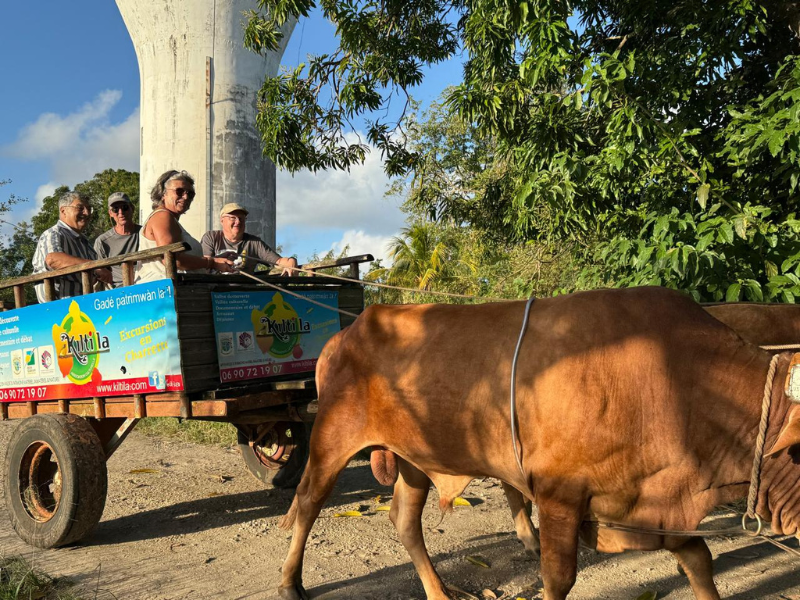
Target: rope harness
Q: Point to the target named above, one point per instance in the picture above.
(755, 475)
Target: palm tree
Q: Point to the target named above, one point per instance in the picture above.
(423, 255)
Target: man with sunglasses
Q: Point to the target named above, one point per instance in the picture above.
(123, 238)
(64, 245)
(233, 240)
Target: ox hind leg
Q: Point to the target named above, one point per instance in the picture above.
(521, 513)
(328, 456)
(695, 558)
(410, 493)
(560, 515)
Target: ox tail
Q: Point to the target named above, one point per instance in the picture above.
(384, 466)
(287, 522)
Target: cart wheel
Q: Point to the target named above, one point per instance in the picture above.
(275, 452)
(56, 479)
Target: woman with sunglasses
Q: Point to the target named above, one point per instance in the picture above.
(172, 196)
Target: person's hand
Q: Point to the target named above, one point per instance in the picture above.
(223, 265)
(289, 265)
(104, 275)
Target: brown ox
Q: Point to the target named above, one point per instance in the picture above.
(759, 324)
(635, 407)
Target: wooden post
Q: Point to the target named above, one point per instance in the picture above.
(49, 291)
(63, 406)
(127, 273)
(99, 408)
(186, 407)
(169, 264)
(19, 296)
(31, 408)
(86, 282)
(3, 411)
(139, 407)
(353, 271)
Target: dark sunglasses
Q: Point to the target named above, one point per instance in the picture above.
(179, 192)
(118, 209)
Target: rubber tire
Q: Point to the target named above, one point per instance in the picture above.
(289, 475)
(84, 479)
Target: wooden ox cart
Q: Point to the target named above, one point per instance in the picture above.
(80, 372)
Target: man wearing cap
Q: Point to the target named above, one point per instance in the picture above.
(233, 239)
(123, 238)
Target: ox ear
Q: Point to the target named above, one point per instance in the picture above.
(790, 434)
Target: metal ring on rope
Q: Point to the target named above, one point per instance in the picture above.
(759, 525)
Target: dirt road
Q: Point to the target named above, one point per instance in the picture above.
(201, 527)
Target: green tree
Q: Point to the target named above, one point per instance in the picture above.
(16, 247)
(613, 124)
(98, 189)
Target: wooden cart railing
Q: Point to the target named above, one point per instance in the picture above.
(274, 399)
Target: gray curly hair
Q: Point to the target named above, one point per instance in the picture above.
(160, 188)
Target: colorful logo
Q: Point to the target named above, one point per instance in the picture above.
(31, 362)
(47, 360)
(244, 341)
(278, 327)
(78, 346)
(16, 363)
(225, 343)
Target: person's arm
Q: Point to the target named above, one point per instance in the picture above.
(59, 260)
(264, 252)
(165, 231)
(289, 264)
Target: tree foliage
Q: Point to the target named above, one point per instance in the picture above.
(658, 140)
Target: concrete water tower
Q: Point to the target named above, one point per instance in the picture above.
(198, 106)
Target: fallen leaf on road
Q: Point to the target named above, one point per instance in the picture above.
(489, 594)
(348, 513)
(383, 508)
(461, 502)
(135, 471)
(648, 595)
(477, 560)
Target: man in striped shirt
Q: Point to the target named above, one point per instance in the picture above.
(64, 245)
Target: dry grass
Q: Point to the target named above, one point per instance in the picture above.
(198, 432)
(19, 580)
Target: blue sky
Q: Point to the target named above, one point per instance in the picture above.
(69, 109)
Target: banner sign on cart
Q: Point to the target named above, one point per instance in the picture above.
(113, 343)
(264, 334)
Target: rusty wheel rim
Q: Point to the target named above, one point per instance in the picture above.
(273, 444)
(40, 481)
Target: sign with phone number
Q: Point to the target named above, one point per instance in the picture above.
(266, 334)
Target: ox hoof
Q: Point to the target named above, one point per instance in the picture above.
(293, 592)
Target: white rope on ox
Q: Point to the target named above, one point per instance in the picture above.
(514, 433)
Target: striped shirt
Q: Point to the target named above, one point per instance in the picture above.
(61, 238)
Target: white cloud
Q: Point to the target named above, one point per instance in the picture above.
(360, 242)
(43, 191)
(80, 144)
(340, 200)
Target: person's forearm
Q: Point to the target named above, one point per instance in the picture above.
(59, 260)
(190, 262)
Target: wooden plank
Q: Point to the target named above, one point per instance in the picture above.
(3, 411)
(139, 406)
(49, 290)
(96, 264)
(186, 407)
(31, 408)
(86, 282)
(19, 296)
(128, 274)
(63, 406)
(99, 408)
(169, 265)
